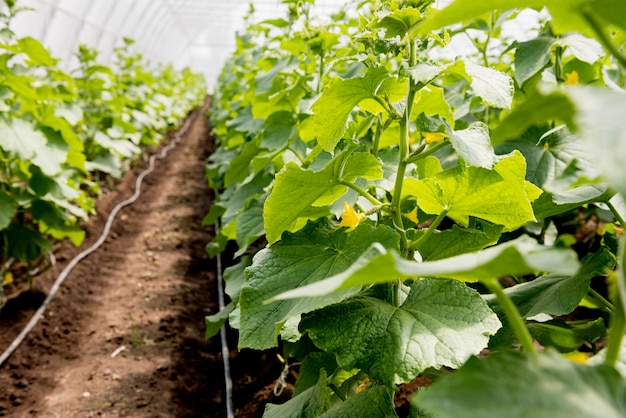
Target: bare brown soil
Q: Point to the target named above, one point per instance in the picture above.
(125, 335)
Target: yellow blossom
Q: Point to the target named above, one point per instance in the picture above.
(412, 216)
(431, 137)
(571, 79)
(8, 278)
(350, 217)
(577, 357)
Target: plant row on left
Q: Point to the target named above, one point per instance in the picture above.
(65, 136)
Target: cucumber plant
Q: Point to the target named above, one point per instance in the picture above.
(400, 215)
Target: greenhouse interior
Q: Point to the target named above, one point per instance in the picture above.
(313, 208)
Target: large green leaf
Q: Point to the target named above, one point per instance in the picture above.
(379, 265)
(567, 15)
(557, 294)
(313, 254)
(21, 138)
(456, 241)
(441, 323)
(332, 109)
(301, 194)
(552, 387)
(501, 195)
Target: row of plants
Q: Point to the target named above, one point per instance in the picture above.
(398, 215)
(65, 135)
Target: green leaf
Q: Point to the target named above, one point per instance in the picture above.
(24, 243)
(536, 110)
(37, 53)
(557, 294)
(301, 194)
(441, 323)
(431, 101)
(216, 321)
(309, 371)
(583, 48)
(313, 254)
(474, 146)
(566, 336)
(501, 195)
(309, 404)
(280, 127)
(532, 56)
(456, 241)
(332, 109)
(398, 22)
(249, 227)
(21, 138)
(372, 402)
(8, 209)
(379, 265)
(484, 388)
(566, 14)
(494, 87)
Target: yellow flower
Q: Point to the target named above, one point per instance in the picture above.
(412, 216)
(350, 217)
(577, 357)
(571, 79)
(8, 278)
(431, 137)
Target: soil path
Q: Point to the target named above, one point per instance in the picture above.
(125, 334)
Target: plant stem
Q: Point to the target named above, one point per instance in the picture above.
(602, 36)
(337, 391)
(377, 134)
(616, 333)
(404, 154)
(428, 152)
(321, 73)
(430, 229)
(601, 300)
(512, 314)
(621, 280)
(361, 192)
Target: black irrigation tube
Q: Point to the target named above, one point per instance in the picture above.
(84, 254)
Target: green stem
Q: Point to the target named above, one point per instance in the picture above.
(616, 333)
(512, 314)
(377, 134)
(621, 281)
(362, 192)
(321, 73)
(558, 64)
(337, 391)
(602, 36)
(601, 300)
(430, 229)
(429, 151)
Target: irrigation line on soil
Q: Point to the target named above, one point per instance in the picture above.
(105, 232)
(225, 351)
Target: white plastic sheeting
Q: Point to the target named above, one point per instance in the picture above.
(199, 34)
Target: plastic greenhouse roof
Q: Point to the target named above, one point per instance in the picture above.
(199, 34)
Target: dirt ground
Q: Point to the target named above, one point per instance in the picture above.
(124, 337)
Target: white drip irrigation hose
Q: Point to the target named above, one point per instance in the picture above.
(225, 351)
(107, 227)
